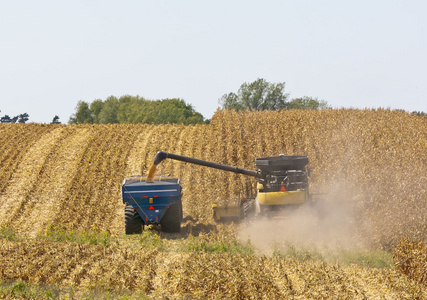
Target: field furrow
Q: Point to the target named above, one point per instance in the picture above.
(25, 177)
(15, 142)
(54, 183)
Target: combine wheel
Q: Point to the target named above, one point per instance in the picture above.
(171, 221)
(133, 221)
(248, 209)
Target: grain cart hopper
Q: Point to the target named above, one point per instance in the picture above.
(282, 182)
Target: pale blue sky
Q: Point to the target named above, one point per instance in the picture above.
(350, 53)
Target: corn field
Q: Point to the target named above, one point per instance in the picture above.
(70, 176)
(200, 275)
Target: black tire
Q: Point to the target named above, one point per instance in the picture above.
(133, 221)
(171, 221)
(248, 209)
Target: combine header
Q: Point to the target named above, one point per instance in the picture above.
(282, 181)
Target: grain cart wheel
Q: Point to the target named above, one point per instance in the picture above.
(133, 221)
(171, 221)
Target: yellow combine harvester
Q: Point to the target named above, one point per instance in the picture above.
(282, 182)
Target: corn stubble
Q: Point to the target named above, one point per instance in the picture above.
(196, 275)
(70, 176)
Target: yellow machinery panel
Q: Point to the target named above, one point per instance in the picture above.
(281, 198)
(228, 212)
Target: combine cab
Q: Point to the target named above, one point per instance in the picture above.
(285, 183)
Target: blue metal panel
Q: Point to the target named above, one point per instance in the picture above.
(161, 193)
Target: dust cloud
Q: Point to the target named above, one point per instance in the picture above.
(327, 225)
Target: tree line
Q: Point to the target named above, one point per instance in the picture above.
(136, 109)
(258, 95)
(21, 118)
(262, 95)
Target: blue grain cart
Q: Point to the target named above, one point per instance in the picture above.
(157, 201)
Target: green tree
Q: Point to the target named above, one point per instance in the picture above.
(109, 111)
(83, 114)
(22, 118)
(176, 111)
(129, 107)
(135, 109)
(95, 109)
(257, 95)
(6, 119)
(419, 113)
(55, 120)
(308, 103)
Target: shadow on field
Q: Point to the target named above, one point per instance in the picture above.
(189, 227)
